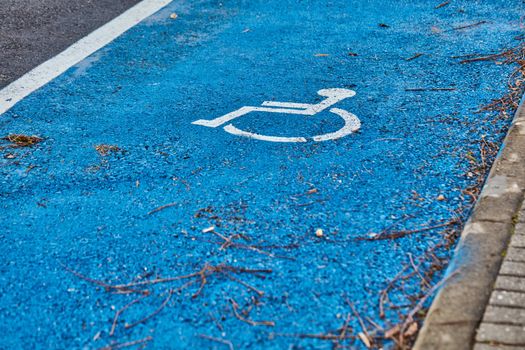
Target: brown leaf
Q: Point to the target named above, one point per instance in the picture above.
(392, 332)
(411, 330)
(364, 338)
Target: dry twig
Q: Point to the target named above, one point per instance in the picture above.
(235, 308)
(218, 340)
(153, 314)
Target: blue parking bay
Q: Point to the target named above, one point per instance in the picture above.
(346, 134)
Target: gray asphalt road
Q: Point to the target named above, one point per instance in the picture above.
(32, 31)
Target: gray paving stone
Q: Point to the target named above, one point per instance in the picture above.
(504, 298)
(459, 306)
(510, 283)
(515, 254)
(520, 226)
(518, 241)
(509, 335)
(512, 268)
(506, 315)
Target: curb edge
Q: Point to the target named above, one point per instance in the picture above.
(458, 308)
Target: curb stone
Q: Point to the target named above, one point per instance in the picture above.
(459, 306)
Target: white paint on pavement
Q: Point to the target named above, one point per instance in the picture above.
(333, 96)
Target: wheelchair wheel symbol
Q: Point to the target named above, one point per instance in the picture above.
(351, 122)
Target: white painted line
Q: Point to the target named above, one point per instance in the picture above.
(352, 124)
(234, 131)
(49, 70)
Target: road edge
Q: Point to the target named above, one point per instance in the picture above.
(42, 74)
(458, 308)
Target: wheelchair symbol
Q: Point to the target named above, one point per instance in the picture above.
(351, 122)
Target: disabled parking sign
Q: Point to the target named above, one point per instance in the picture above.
(333, 96)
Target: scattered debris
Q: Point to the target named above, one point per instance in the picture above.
(162, 207)
(21, 140)
(105, 150)
(321, 55)
(364, 336)
(435, 30)
(120, 311)
(399, 234)
(116, 346)
(174, 16)
(486, 57)
(383, 25)
(431, 89)
(218, 340)
(319, 232)
(153, 314)
(441, 198)
(228, 242)
(352, 54)
(443, 4)
(417, 55)
(467, 26)
(209, 229)
(235, 308)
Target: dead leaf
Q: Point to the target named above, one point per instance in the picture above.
(411, 330)
(21, 140)
(209, 229)
(392, 332)
(364, 338)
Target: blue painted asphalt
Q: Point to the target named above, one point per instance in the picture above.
(62, 202)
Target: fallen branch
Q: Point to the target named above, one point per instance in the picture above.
(431, 89)
(106, 286)
(320, 336)
(467, 26)
(363, 335)
(162, 207)
(384, 293)
(153, 314)
(443, 4)
(410, 317)
(120, 311)
(235, 308)
(416, 269)
(218, 340)
(229, 242)
(417, 55)
(127, 344)
(399, 234)
(487, 57)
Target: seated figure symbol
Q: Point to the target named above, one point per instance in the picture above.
(332, 96)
